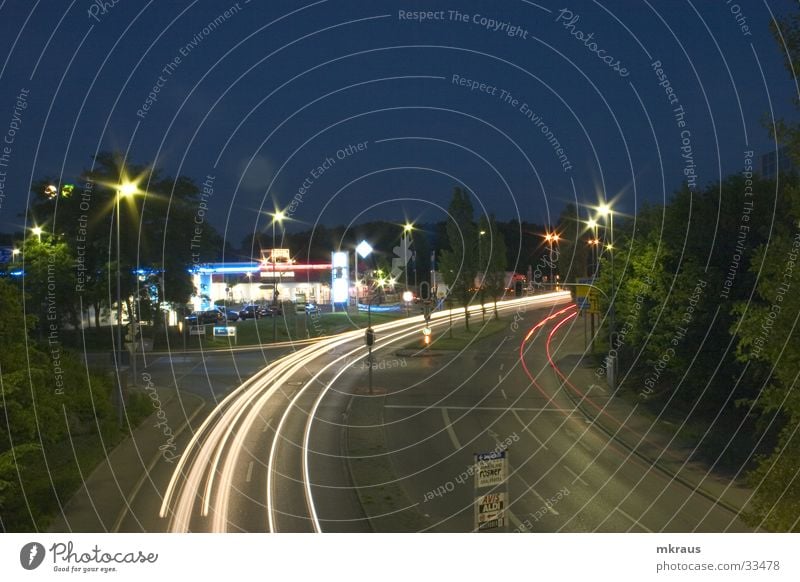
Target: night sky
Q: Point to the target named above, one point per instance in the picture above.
(528, 105)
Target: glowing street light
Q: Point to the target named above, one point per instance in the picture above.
(124, 189)
(407, 229)
(277, 216)
(363, 250)
(37, 232)
(608, 215)
(551, 238)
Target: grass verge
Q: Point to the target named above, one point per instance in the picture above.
(381, 497)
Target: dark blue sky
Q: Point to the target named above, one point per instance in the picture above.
(264, 94)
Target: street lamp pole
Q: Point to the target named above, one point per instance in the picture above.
(274, 286)
(406, 237)
(608, 214)
(276, 217)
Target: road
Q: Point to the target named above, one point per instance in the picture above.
(566, 475)
(259, 463)
(272, 455)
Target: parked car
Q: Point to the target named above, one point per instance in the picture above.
(311, 308)
(273, 310)
(231, 315)
(205, 317)
(214, 315)
(252, 312)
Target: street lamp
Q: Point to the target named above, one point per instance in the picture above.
(278, 217)
(124, 190)
(363, 250)
(606, 212)
(551, 238)
(480, 253)
(37, 232)
(14, 253)
(407, 233)
(593, 242)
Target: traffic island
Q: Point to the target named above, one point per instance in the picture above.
(384, 501)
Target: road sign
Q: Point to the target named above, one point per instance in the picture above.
(490, 511)
(582, 290)
(197, 330)
(594, 301)
(224, 331)
(582, 303)
(490, 469)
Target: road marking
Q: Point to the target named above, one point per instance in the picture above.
(450, 432)
(529, 431)
(574, 474)
(492, 434)
(547, 506)
(515, 520)
(503, 392)
(267, 425)
(634, 520)
(480, 408)
(249, 472)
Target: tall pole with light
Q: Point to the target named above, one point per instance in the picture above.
(278, 217)
(37, 232)
(406, 237)
(363, 250)
(124, 189)
(551, 238)
(606, 212)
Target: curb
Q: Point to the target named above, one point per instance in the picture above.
(408, 505)
(655, 464)
(135, 491)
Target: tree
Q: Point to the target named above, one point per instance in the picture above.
(496, 261)
(164, 231)
(48, 399)
(458, 263)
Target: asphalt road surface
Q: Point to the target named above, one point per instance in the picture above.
(272, 455)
